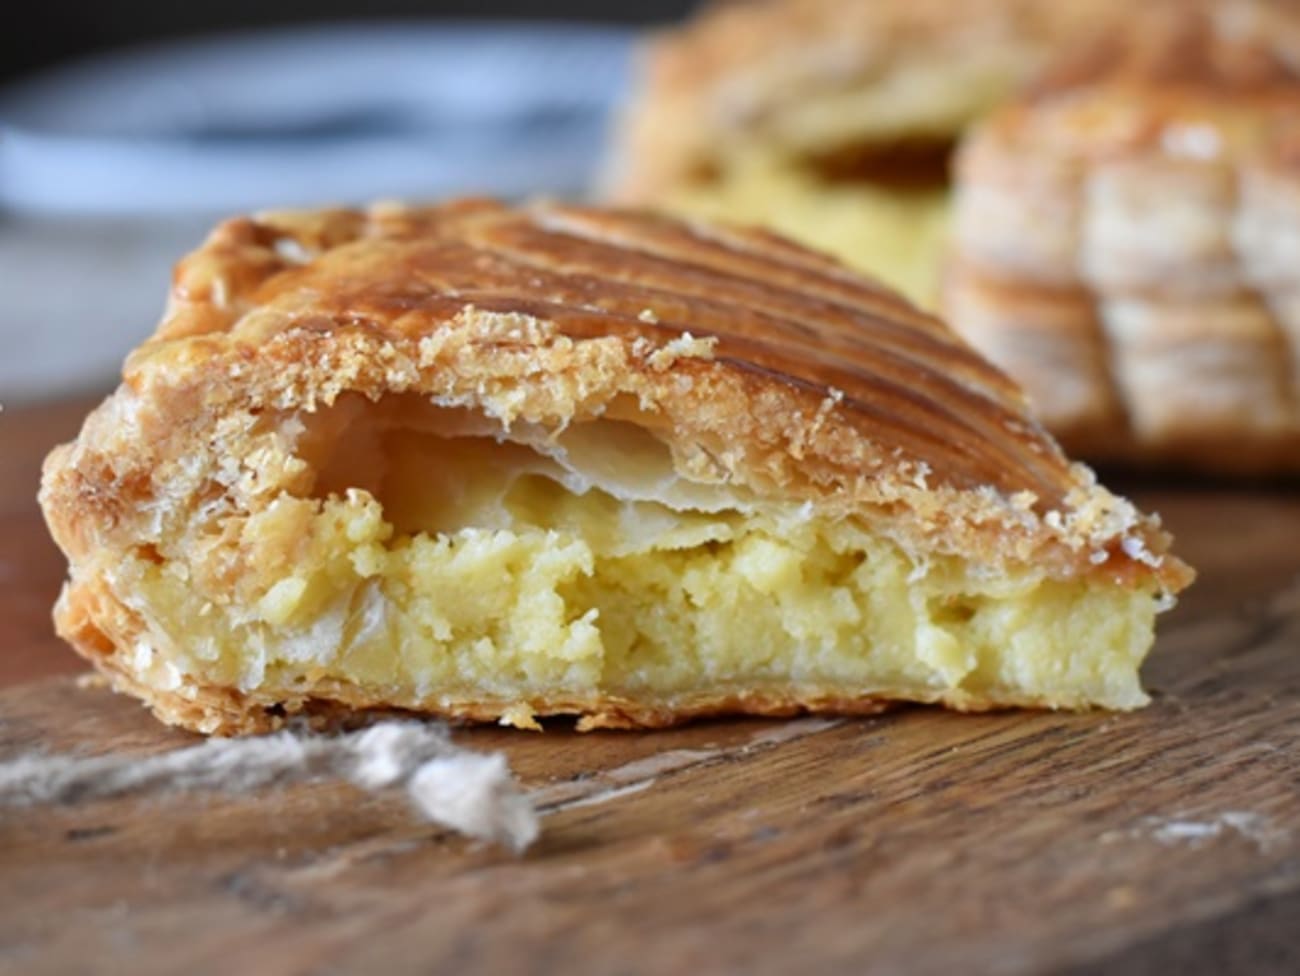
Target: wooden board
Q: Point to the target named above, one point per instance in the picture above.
(1165, 840)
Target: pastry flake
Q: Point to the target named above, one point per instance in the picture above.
(497, 464)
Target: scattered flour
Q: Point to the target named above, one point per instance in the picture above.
(466, 791)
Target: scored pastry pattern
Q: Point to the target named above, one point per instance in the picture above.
(895, 373)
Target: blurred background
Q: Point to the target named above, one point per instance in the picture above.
(127, 128)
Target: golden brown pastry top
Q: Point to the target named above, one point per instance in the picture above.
(761, 364)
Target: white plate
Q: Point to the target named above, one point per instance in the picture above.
(336, 113)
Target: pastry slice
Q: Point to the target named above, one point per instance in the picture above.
(498, 464)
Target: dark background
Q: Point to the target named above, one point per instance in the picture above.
(52, 31)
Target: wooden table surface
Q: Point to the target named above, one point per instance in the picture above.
(1167, 840)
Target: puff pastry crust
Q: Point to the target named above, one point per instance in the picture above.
(1136, 214)
(269, 516)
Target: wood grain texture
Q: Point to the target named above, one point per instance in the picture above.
(1165, 840)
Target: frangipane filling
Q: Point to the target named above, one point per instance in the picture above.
(432, 564)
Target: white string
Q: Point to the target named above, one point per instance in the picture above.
(473, 793)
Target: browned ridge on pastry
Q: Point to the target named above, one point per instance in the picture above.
(898, 376)
(492, 463)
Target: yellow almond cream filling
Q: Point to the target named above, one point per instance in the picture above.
(896, 235)
(469, 581)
